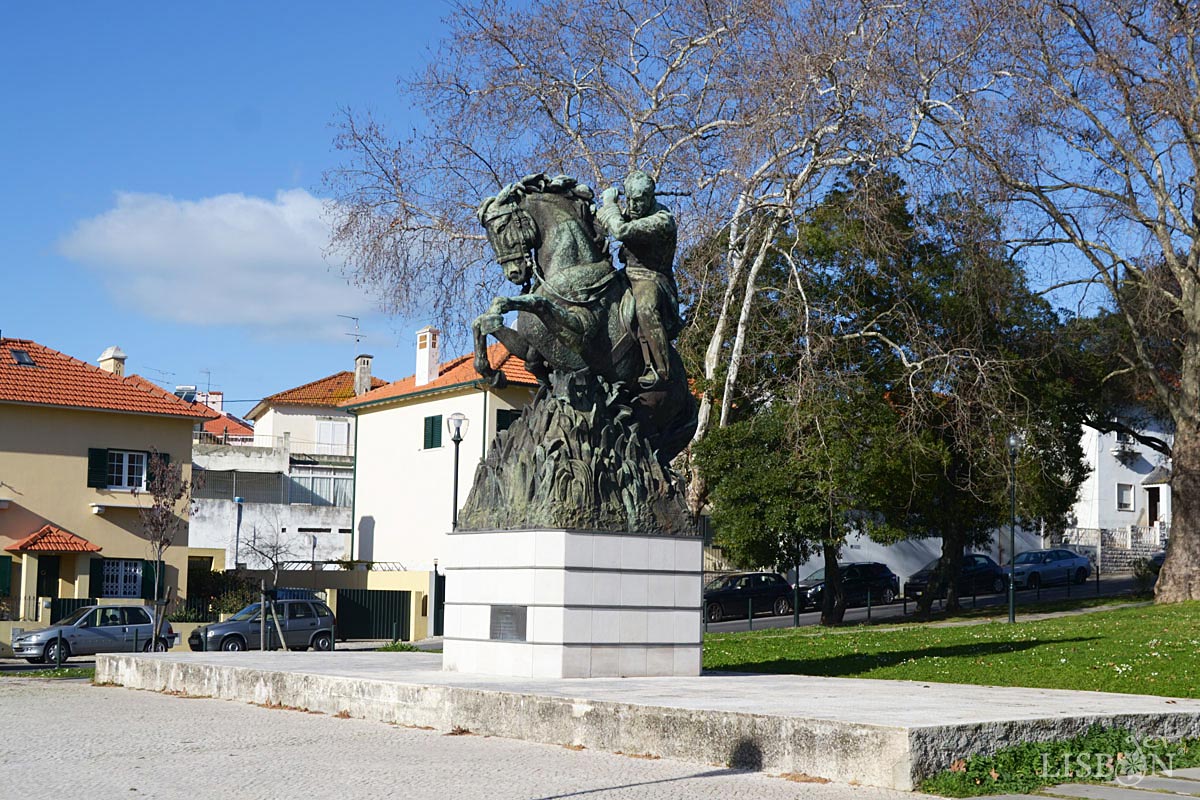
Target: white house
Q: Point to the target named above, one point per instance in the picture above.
(310, 415)
(1128, 485)
(404, 500)
(286, 489)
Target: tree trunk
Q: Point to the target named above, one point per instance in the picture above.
(833, 600)
(951, 568)
(1179, 578)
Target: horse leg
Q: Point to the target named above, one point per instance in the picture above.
(557, 319)
(480, 328)
(514, 342)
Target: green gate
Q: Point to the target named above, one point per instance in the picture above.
(373, 614)
(61, 607)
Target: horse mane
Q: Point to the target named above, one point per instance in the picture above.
(563, 186)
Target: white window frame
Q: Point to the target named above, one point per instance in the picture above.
(126, 459)
(1132, 501)
(122, 577)
(333, 436)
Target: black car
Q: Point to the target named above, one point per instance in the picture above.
(979, 575)
(733, 595)
(860, 581)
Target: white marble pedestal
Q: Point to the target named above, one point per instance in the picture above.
(572, 604)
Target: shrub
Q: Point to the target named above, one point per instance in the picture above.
(1144, 576)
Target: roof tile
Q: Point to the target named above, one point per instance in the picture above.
(56, 379)
(52, 539)
(456, 371)
(228, 424)
(331, 391)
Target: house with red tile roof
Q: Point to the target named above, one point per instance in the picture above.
(311, 415)
(75, 445)
(285, 482)
(405, 456)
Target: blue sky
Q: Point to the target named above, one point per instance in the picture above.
(162, 169)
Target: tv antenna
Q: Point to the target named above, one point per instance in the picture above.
(358, 335)
(164, 376)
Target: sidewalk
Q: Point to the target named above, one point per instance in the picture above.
(888, 734)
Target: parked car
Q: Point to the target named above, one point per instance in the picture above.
(305, 623)
(858, 580)
(1156, 560)
(1035, 568)
(979, 575)
(731, 595)
(94, 629)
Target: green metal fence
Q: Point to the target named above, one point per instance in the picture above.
(373, 614)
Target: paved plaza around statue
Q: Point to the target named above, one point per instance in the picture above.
(74, 739)
(878, 733)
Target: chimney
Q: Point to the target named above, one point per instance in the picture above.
(427, 355)
(215, 401)
(362, 374)
(113, 360)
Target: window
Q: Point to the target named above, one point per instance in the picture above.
(333, 437)
(136, 616)
(505, 417)
(1124, 497)
(322, 486)
(299, 611)
(1124, 438)
(122, 578)
(126, 469)
(433, 432)
(22, 357)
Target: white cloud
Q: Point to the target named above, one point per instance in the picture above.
(224, 260)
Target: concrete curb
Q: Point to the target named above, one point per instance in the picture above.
(894, 756)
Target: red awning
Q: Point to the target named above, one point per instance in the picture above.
(51, 539)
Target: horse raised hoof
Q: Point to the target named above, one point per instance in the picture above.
(489, 323)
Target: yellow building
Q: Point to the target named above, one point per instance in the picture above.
(75, 445)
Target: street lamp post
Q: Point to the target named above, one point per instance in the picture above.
(457, 425)
(237, 534)
(1012, 529)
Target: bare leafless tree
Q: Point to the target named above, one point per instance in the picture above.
(167, 499)
(273, 546)
(746, 107)
(1086, 114)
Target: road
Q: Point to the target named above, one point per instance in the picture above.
(1110, 586)
(69, 738)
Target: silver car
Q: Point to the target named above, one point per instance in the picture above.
(305, 623)
(1036, 568)
(93, 629)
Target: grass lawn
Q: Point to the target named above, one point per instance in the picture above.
(1144, 650)
(61, 672)
(1047, 607)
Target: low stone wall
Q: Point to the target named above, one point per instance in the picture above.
(889, 734)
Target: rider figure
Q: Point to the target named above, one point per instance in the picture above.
(647, 234)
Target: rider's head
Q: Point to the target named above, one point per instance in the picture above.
(639, 193)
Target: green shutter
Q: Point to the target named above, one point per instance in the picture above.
(148, 580)
(433, 432)
(97, 474)
(5, 576)
(96, 571)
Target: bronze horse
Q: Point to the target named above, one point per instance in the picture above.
(576, 311)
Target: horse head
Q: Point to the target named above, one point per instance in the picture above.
(512, 234)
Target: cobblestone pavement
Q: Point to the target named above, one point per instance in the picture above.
(72, 739)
